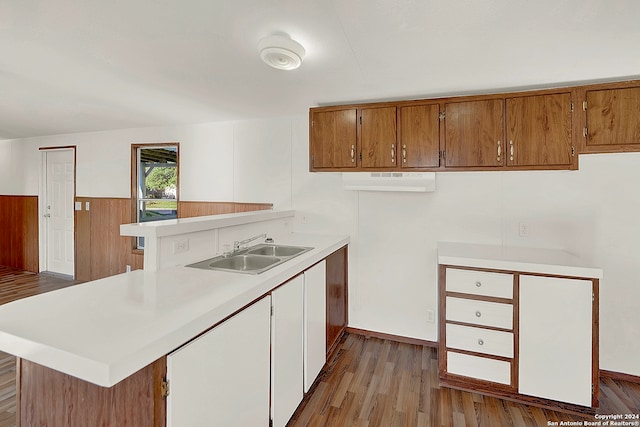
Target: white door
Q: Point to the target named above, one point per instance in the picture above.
(58, 211)
(222, 377)
(556, 339)
(315, 322)
(286, 350)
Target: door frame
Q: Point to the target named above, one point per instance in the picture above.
(42, 196)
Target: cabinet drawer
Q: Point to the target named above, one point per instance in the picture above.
(483, 313)
(480, 283)
(481, 368)
(480, 340)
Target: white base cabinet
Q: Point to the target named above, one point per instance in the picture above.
(222, 377)
(315, 322)
(556, 339)
(286, 350)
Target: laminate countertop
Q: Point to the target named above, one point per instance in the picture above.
(105, 330)
(530, 260)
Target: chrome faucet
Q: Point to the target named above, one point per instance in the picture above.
(237, 244)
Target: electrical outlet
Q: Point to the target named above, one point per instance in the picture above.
(523, 229)
(180, 246)
(431, 316)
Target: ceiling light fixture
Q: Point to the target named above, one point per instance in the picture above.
(281, 52)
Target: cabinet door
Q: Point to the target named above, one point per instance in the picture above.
(419, 136)
(315, 322)
(286, 350)
(556, 339)
(333, 139)
(336, 296)
(222, 377)
(539, 130)
(474, 133)
(378, 137)
(613, 117)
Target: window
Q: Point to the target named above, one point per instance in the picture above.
(154, 183)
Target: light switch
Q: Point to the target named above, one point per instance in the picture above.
(86, 206)
(78, 206)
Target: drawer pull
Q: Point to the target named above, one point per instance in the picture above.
(478, 284)
(478, 314)
(480, 342)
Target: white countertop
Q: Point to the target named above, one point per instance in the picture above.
(530, 260)
(104, 331)
(171, 227)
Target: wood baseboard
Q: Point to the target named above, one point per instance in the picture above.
(620, 376)
(391, 337)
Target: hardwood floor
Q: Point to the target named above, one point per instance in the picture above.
(16, 284)
(368, 382)
(375, 382)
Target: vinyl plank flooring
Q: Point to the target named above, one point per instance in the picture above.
(375, 382)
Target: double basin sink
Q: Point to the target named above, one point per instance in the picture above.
(254, 260)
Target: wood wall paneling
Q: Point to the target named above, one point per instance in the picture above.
(51, 398)
(192, 209)
(19, 232)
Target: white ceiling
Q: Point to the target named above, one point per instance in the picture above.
(83, 65)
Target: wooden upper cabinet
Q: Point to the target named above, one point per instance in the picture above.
(378, 137)
(419, 136)
(613, 117)
(474, 133)
(539, 130)
(333, 139)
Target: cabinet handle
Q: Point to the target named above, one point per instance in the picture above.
(393, 153)
(478, 284)
(478, 314)
(404, 153)
(511, 150)
(353, 153)
(480, 341)
(499, 151)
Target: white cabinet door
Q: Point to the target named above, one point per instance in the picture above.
(286, 350)
(315, 322)
(556, 339)
(222, 377)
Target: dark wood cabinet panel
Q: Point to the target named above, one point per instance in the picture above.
(333, 139)
(337, 297)
(539, 130)
(474, 133)
(378, 137)
(419, 136)
(51, 398)
(613, 117)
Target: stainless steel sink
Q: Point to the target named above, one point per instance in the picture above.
(277, 250)
(254, 260)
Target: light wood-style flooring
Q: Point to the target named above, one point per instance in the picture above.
(367, 382)
(16, 284)
(376, 382)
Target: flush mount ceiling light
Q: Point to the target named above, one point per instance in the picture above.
(281, 52)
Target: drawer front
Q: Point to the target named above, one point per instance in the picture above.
(480, 283)
(480, 340)
(483, 313)
(481, 368)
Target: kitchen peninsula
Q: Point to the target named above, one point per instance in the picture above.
(96, 353)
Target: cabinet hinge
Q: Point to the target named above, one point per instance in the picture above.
(360, 119)
(442, 115)
(164, 388)
(270, 422)
(572, 106)
(584, 132)
(584, 105)
(360, 156)
(593, 296)
(313, 122)
(442, 154)
(272, 310)
(573, 151)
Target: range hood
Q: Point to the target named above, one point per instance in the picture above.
(390, 181)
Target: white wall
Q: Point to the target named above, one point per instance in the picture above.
(592, 212)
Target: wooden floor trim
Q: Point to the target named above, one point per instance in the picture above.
(619, 376)
(391, 337)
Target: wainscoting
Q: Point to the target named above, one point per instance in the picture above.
(19, 232)
(102, 252)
